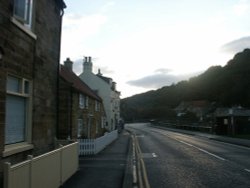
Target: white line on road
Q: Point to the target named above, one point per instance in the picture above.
(247, 170)
(154, 155)
(216, 156)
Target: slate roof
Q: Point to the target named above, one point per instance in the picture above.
(106, 79)
(77, 83)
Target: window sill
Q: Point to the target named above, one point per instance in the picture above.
(16, 148)
(23, 28)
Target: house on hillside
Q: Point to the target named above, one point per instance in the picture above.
(30, 35)
(81, 112)
(200, 108)
(232, 121)
(106, 89)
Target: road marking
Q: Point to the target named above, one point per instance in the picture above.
(247, 170)
(185, 143)
(154, 155)
(205, 151)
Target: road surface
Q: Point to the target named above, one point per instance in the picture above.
(179, 160)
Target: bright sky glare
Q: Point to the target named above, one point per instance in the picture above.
(145, 44)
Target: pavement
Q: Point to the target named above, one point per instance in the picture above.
(107, 169)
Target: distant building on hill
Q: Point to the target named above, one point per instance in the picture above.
(232, 121)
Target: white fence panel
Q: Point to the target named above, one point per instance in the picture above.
(49, 164)
(69, 153)
(86, 146)
(49, 170)
(94, 146)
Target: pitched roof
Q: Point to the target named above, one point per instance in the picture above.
(77, 83)
(106, 79)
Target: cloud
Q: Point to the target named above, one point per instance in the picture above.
(160, 79)
(241, 8)
(107, 6)
(76, 30)
(163, 71)
(237, 45)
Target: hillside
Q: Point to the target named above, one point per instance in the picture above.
(227, 86)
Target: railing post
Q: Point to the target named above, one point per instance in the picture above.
(7, 175)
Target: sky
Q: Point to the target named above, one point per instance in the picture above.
(144, 45)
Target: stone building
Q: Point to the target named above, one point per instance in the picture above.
(81, 113)
(106, 89)
(30, 35)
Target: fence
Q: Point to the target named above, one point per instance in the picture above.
(49, 170)
(94, 146)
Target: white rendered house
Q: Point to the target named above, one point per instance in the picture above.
(106, 89)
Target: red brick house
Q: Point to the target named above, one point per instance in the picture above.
(81, 112)
(30, 35)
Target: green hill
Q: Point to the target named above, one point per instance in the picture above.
(226, 86)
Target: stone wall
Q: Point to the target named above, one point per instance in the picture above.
(33, 55)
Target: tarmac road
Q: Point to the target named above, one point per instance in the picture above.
(175, 159)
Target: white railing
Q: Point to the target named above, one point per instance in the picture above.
(50, 170)
(94, 146)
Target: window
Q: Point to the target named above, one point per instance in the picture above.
(103, 122)
(97, 106)
(18, 113)
(23, 11)
(86, 102)
(80, 128)
(83, 101)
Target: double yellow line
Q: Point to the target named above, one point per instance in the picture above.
(140, 178)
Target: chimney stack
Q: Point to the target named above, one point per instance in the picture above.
(68, 64)
(87, 65)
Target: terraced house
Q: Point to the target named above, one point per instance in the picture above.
(81, 112)
(30, 34)
(106, 89)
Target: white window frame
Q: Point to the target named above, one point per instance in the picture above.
(81, 101)
(97, 106)
(27, 7)
(79, 128)
(103, 122)
(23, 91)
